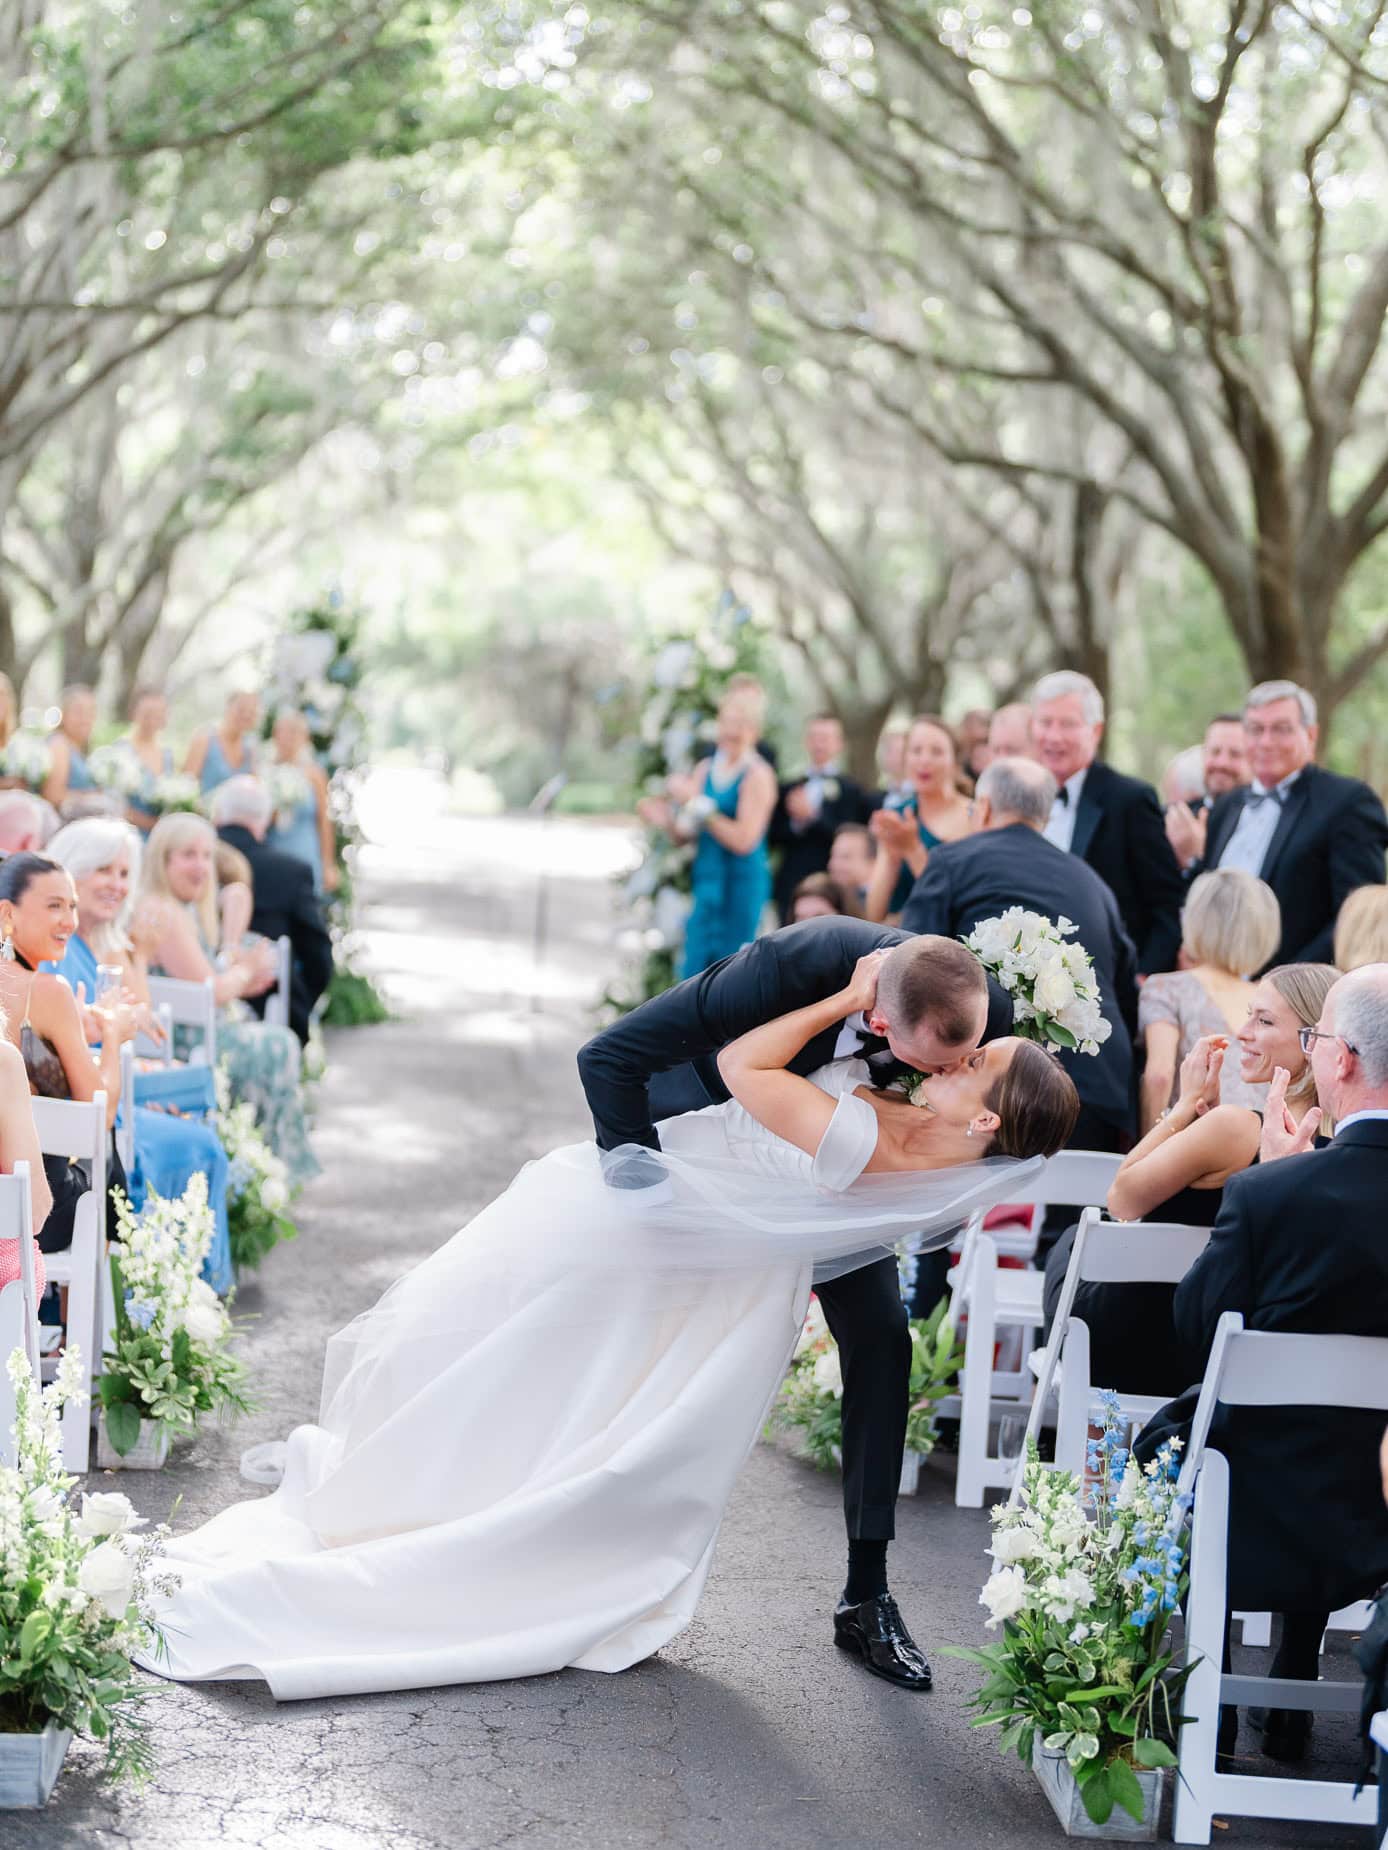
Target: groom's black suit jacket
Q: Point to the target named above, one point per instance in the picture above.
(662, 1058)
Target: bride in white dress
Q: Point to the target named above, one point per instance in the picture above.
(524, 1450)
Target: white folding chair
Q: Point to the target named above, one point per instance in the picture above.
(150, 1049)
(1256, 1368)
(189, 1005)
(67, 1128)
(277, 999)
(1003, 1299)
(19, 1306)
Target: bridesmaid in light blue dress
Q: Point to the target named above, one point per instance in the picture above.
(69, 774)
(228, 749)
(306, 831)
(144, 746)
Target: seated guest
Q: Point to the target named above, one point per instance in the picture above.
(235, 897)
(810, 808)
(1229, 925)
(176, 924)
(1111, 821)
(819, 897)
(934, 812)
(285, 904)
(21, 823)
(850, 860)
(1361, 931)
(19, 1143)
(103, 857)
(1299, 1246)
(1313, 836)
(1224, 767)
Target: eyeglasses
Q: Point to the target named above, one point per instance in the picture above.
(1307, 1035)
(1282, 729)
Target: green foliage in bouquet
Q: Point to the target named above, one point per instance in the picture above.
(353, 1000)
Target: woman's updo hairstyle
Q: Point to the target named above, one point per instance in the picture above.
(18, 872)
(1036, 1103)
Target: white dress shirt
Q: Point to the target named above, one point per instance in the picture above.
(814, 790)
(1368, 1116)
(1247, 848)
(851, 1032)
(1060, 825)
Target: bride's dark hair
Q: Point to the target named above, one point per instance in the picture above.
(1036, 1103)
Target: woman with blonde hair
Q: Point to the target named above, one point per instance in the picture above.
(1231, 924)
(1361, 931)
(177, 922)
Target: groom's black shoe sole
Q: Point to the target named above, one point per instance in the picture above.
(875, 1634)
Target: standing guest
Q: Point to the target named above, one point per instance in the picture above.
(1008, 862)
(1361, 931)
(1111, 821)
(1313, 836)
(227, 749)
(282, 887)
(1299, 1246)
(1009, 732)
(725, 805)
(891, 762)
(144, 744)
(850, 861)
(1230, 927)
(306, 831)
(69, 774)
(21, 823)
(973, 732)
(818, 897)
(934, 812)
(1183, 781)
(812, 807)
(1224, 767)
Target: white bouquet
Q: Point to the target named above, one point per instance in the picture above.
(1055, 999)
(28, 758)
(258, 1187)
(117, 770)
(289, 788)
(174, 791)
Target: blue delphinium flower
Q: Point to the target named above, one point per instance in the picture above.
(140, 1313)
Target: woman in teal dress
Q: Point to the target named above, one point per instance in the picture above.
(304, 827)
(229, 748)
(934, 812)
(176, 925)
(726, 806)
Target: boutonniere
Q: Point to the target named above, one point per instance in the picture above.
(832, 789)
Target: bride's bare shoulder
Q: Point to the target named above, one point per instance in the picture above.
(901, 1143)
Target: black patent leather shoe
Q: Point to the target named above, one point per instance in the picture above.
(876, 1632)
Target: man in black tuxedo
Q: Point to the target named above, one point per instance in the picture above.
(1312, 836)
(282, 888)
(1008, 862)
(934, 1005)
(1299, 1245)
(1113, 822)
(811, 807)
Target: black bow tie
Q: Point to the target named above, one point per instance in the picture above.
(870, 1044)
(1256, 798)
(1062, 796)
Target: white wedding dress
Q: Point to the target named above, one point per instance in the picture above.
(525, 1448)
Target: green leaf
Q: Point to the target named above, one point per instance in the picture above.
(1083, 1747)
(1126, 1791)
(123, 1427)
(33, 1632)
(1150, 1753)
(1097, 1796)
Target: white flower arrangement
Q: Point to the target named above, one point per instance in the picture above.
(174, 791)
(289, 788)
(1055, 999)
(28, 757)
(75, 1587)
(259, 1191)
(117, 770)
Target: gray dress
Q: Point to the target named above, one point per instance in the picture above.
(1178, 996)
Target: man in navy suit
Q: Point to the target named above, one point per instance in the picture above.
(1312, 836)
(1113, 822)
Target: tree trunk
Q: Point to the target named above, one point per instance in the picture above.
(862, 727)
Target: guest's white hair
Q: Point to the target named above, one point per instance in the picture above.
(1184, 778)
(1069, 681)
(243, 800)
(1266, 692)
(1019, 787)
(16, 804)
(90, 843)
(1361, 1019)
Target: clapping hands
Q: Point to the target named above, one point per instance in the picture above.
(894, 833)
(1282, 1135)
(1200, 1071)
(1185, 830)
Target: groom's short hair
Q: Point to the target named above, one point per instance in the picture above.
(935, 980)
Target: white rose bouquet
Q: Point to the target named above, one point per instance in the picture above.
(174, 791)
(258, 1190)
(27, 758)
(74, 1588)
(171, 1360)
(288, 789)
(1055, 999)
(117, 771)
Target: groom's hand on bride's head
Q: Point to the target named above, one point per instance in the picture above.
(861, 992)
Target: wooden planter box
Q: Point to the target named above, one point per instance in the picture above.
(1058, 1784)
(30, 1765)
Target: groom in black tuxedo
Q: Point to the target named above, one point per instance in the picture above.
(934, 1006)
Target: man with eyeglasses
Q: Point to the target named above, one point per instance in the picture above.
(1313, 836)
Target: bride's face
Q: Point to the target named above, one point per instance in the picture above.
(958, 1097)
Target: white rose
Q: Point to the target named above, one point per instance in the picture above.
(1004, 1595)
(1013, 1545)
(274, 1196)
(204, 1323)
(827, 1373)
(108, 1574)
(1054, 988)
(106, 1512)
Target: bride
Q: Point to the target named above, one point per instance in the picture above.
(525, 1448)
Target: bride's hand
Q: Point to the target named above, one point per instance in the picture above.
(861, 992)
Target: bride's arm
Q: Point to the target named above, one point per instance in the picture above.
(754, 1066)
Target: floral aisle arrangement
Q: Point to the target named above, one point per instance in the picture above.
(26, 758)
(258, 1190)
(1055, 998)
(75, 1589)
(687, 674)
(171, 1359)
(811, 1399)
(173, 791)
(1083, 1673)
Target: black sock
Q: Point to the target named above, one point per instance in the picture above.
(867, 1572)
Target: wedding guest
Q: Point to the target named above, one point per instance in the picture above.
(934, 812)
(1298, 1246)
(1224, 766)
(973, 732)
(1361, 931)
(21, 823)
(305, 828)
(810, 808)
(748, 687)
(725, 806)
(1009, 732)
(891, 763)
(1111, 821)
(176, 922)
(69, 774)
(229, 748)
(1312, 835)
(818, 897)
(19, 1143)
(1230, 926)
(282, 887)
(1183, 780)
(235, 898)
(144, 744)
(850, 860)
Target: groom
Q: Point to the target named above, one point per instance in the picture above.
(934, 1006)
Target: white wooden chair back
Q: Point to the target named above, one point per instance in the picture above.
(1073, 1178)
(277, 1001)
(1257, 1368)
(68, 1128)
(19, 1305)
(190, 1005)
(145, 1044)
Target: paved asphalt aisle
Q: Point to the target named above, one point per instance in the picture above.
(750, 1732)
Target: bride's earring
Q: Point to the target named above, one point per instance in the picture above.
(7, 948)
(970, 1131)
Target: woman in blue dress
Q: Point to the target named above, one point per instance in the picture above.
(69, 774)
(934, 812)
(102, 856)
(144, 744)
(299, 787)
(229, 748)
(725, 806)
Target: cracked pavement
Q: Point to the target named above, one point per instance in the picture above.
(750, 1730)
